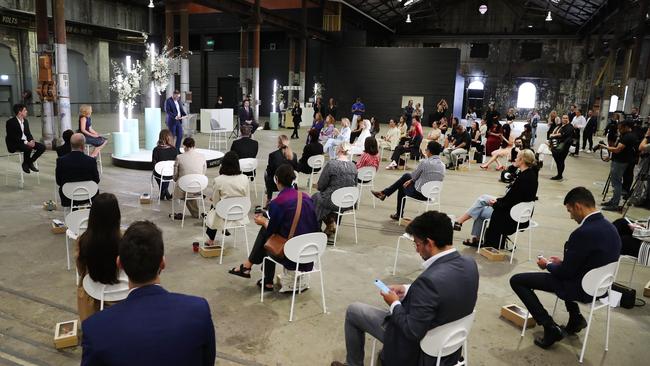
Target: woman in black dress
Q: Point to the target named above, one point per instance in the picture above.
(296, 112)
(560, 142)
(332, 109)
(165, 150)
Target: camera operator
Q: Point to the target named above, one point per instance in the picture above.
(644, 167)
(623, 154)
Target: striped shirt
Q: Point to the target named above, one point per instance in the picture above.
(430, 169)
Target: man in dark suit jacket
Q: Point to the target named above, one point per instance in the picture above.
(75, 166)
(444, 292)
(175, 114)
(151, 326)
(589, 131)
(247, 117)
(245, 146)
(593, 244)
(19, 138)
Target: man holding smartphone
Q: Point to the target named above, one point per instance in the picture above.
(417, 308)
(593, 244)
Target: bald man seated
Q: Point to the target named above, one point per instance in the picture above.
(75, 166)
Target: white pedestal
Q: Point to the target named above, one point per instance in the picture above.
(152, 122)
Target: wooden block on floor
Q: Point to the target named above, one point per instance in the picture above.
(58, 227)
(405, 221)
(66, 334)
(517, 315)
(646, 290)
(209, 252)
(493, 254)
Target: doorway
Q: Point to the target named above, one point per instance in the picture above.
(5, 101)
(228, 88)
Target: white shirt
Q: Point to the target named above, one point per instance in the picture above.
(585, 218)
(579, 122)
(178, 108)
(425, 265)
(22, 129)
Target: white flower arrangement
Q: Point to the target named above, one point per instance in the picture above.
(126, 83)
(319, 90)
(158, 66)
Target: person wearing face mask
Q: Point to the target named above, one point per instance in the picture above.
(593, 244)
(414, 309)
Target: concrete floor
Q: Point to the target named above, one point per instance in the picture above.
(36, 290)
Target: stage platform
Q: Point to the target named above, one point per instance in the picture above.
(142, 159)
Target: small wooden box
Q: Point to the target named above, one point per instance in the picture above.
(66, 334)
(49, 206)
(646, 290)
(492, 254)
(516, 315)
(209, 252)
(405, 221)
(145, 198)
(58, 227)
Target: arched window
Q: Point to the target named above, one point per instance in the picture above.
(526, 96)
(475, 85)
(613, 103)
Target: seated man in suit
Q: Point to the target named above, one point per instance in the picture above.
(151, 326)
(245, 146)
(75, 166)
(246, 116)
(417, 308)
(19, 138)
(189, 162)
(593, 244)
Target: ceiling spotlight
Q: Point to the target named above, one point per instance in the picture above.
(150, 4)
(530, 25)
(555, 1)
(482, 9)
(549, 18)
(408, 18)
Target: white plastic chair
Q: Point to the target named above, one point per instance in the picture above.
(163, 169)
(217, 135)
(193, 186)
(77, 223)
(249, 165)
(232, 209)
(110, 293)
(19, 169)
(306, 248)
(366, 178)
(316, 163)
(431, 190)
(345, 198)
(522, 213)
(444, 340)
(595, 283)
(98, 158)
(403, 236)
(383, 147)
(80, 191)
(465, 157)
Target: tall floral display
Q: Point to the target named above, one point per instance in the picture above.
(126, 83)
(158, 72)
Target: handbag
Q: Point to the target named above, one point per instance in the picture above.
(275, 243)
(628, 297)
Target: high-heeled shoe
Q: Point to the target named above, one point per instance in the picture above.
(484, 167)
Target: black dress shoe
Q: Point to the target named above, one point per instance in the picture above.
(575, 325)
(557, 177)
(32, 167)
(26, 168)
(551, 335)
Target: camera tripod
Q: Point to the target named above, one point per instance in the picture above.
(637, 188)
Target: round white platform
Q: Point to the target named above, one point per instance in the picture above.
(142, 159)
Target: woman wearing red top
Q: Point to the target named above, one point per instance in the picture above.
(370, 156)
(493, 141)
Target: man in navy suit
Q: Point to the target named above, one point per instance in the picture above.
(19, 138)
(247, 117)
(175, 114)
(444, 292)
(151, 326)
(75, 166)
(593, 244)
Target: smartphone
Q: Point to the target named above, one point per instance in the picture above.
(382, 286)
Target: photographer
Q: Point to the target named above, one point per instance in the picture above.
(623, 154)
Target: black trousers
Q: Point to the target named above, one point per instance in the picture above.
(576, 141)
(296, 127)
(628, 178)
(258, 253)
(165, 185)
(588, 136)
(524, 285)
(560, 156)
(354, 135)
(30, 154)
(401, 191)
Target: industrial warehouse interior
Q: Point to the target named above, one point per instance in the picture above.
(324, 182)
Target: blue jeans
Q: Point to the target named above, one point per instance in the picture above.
(480, 211)
(616, 178)
(176, 128)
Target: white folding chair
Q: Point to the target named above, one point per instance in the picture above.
(19, 169)
(481, 239)
(98, 158)
(306, 248)
(79, 191)
(431, 190)
(249, 165)
(217, 134)
(465, 158)
(316, 163)
(110, 293)
(522, 213)
(444, 340)
(595, 283)
(383, 147)
(77, 223)
(403, 236)
(193, 186)
(163, 169)
(345, 198)
(232, 209)
(366, 178)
